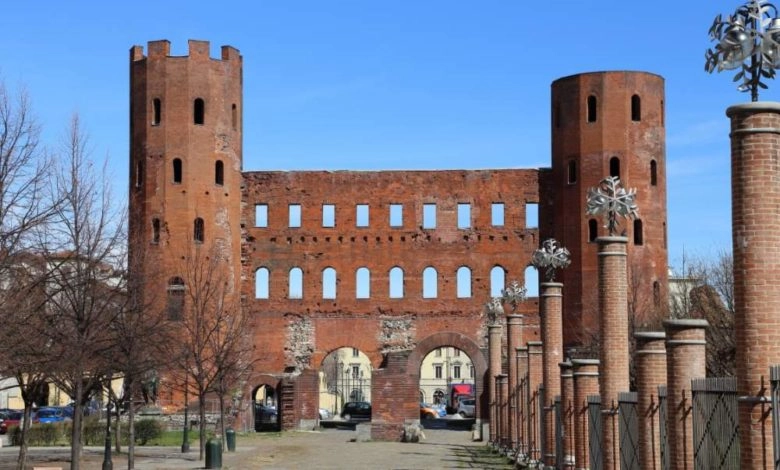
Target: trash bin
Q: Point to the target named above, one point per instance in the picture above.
(213, 453)
(230, 437)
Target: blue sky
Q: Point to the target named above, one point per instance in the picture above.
(395, 84)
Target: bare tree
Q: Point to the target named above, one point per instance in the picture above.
(212, 350)
(84, 292)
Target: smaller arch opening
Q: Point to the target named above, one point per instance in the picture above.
(234, 116)
(638, 235)
(614, 167)
(593, 230)
(156, 111)
(139, 174)
(219, 173)
(653, 173)
(177, 170)
(636, 108)
(571, 172)
(175, 301)
(198, 230)
(199, 111)
(155, 230)
(262, 277)
(592, 108)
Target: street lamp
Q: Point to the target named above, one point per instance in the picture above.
(748, 40)
(185, 440)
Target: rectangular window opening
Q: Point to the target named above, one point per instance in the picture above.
(328, 215)
(497, 214)
(396, 215)
(261, 215)
(464, 215)
(295, 215)
(531, 215)
(361, 215)
(429, 216)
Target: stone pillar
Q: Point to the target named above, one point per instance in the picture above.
(686, 360)
(585, 373)
(755, 198)
(550, 315)
(494, 369)
(614, 352)
(650, 360)
(502, 382)
(534, 380)
(567, 415)
(521, 358)
(514, 336)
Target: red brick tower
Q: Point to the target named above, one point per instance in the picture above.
(604, 124)
(185, 162)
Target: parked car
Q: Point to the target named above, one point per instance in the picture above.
(466, 407)
(266, 418)
(3, 427)
(50, 415)
(11, 417)
(356, 411)
(428, 412)
(325, 414)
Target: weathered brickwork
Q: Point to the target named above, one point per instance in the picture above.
(327, 259)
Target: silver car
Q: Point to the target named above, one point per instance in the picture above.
(466, 407)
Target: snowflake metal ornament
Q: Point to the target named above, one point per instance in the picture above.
(513, 295)
(748, 40)
(612, 200)
(494, 309)
(550, 257)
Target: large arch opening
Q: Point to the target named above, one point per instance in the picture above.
(266, 412)
(345, 385)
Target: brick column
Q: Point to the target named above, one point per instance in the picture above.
(494, 369)
(521, 358)
(502, 382)
(550, 315)
(534, 380)
(686, 360)
(614, 352)
(514, 336)
(650, 360)
(585, 373)
(755, 197)
(567, 416)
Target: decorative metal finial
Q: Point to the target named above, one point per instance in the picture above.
(494, 309)
(513, 295)
(610, 198)
(550, 257)
(748, 40)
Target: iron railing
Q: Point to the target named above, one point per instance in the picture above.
(594, 432)
(715, 423)
(774, 379)
(629, 430)
(662, 433)
(558, 420)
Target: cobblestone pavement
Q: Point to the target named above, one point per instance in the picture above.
(326, 449)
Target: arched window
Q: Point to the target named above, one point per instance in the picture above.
(362, 283)
(592, 108)
(234, 116)
(571, 172)
(156, 111)
(198, 230)
(262, 279)
(614, 167)
(531, 276)
(296, 283)
(155, 230)
(328, 283)
(198, 111)
(139, 174)
(636, 108)
(463, 277)
(497, 281)
(396, 283)
(175, 304)
(653, 173)
(638, 236)
(593, 230)
(219, 173)
(177, 170)
(430, 283)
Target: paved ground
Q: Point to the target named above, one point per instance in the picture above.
(326, 449)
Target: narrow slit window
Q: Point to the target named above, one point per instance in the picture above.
(636, 108)
(593, 230)
(361, 215)
(328, 215)
(464, 215)
(175, 304)
(362, 283)
(234, 116)
(155, 230)
(198, 230)
(219, 173)
(592, 108)
(396, 215)
(531, 215)
(177, 170)
(497, 214)
(430, 281)
(571, 172)
(139, 174)
(156, 111)
(638, 235)
(653, 173)
(557, 115)
(294, 212)
(429, 216)
(614, 167)
(261, 215)
(261, 283)
(198, 111)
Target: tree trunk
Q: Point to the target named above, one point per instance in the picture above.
(25, 424)
(202, 424)
(75, 447)
(131, 435)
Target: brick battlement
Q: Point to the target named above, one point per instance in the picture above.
(198, 50)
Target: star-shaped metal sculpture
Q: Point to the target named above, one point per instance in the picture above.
(494, 309)
(612, 200)
(550, 257)
(513, 295)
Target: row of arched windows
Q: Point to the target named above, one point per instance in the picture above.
(614, 170)
(198, 112)
(178, 172)
(430, 282)
(592, 108)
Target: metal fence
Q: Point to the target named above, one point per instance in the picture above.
(558, 417)
(629, 430)
(662, 434)
(522, 414)
(715, 423)
(774, 379)
(594, 432)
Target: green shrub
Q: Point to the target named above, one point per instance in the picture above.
(94, 431)
(147, 430)
(45, 434)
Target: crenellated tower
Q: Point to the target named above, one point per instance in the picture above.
(609, 124)
(185, 163)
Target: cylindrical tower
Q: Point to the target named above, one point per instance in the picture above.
(608, 124)
(185, 166)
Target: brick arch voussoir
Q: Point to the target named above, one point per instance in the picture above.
(448, 338)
